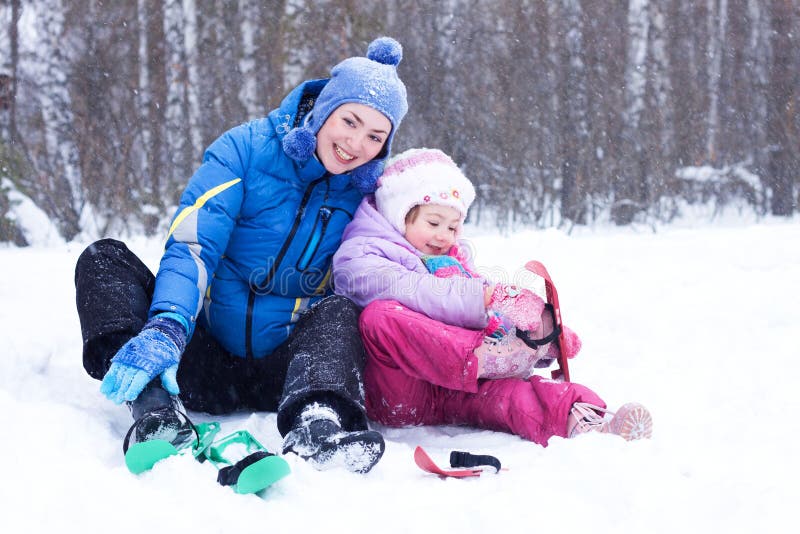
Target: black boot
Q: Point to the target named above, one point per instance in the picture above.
(159, 415)
(317, 436)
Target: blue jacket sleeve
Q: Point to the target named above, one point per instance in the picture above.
(199, 233)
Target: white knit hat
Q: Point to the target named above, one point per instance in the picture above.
(421, 176)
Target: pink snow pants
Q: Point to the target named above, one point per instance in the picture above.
(423, 372)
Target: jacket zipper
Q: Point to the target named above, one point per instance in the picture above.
(248, 331)
(325, 215)
(319, 231)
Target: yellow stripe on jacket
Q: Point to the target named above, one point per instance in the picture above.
(199, 203)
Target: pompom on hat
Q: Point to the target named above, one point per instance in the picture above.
(421, 176)
(371, 81)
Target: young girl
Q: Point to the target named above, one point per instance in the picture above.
(444, 345)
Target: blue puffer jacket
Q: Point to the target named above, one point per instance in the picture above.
(251, 244)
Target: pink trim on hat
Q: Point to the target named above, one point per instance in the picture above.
(426, 156)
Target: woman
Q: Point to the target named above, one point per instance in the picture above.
(239, 315)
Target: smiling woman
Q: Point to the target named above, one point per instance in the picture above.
(241, 315)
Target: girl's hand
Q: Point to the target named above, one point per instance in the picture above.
(522, 306)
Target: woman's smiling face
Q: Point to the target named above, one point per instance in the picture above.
(351, 136)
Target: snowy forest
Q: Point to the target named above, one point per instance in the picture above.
(563, 113)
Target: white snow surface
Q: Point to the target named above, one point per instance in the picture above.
(698, 324)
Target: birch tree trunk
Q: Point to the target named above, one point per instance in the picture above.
(662, 85)
(179, 148)
(659, 127)
(9, 49)
(270, 52)
(194, 117)
(629, 182)
(233, 111)
(574, 128)
(717, 24)
(156, 90)
(210, 76)
(59, 176)
(248, 92)
(144, 84)
(756, 113)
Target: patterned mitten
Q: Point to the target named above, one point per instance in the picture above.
(523, 307)
(155, 351)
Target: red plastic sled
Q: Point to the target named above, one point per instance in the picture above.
(427, 464)
(552, 297)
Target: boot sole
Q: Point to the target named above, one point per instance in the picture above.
(632, 421)
(357, 452)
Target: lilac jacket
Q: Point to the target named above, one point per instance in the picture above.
(375, 262)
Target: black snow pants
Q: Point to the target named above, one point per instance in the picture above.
(321, 361)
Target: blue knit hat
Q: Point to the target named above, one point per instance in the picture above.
(371, 81)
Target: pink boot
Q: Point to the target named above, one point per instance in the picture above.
(547, 352)
(506, 357)
(631, 421)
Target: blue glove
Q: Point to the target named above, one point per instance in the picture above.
(155, 351)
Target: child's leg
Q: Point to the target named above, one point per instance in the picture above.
(422, 372)
(412, 361)
(420, 347)
(535, 409)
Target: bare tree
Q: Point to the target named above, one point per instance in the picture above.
(9, 71)
(560, 112)
(179, 157)
(269, 49)
(155, 62)
(574, 116)
(781, 130)
(11, 167)
(632, 177)
(717, 22)
(58, 180)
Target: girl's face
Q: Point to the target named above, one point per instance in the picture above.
(431, 229)
(351, 136)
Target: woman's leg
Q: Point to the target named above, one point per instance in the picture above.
(214, 381)
(322, 414)
(113, 293)
(325, 358)
(113, 289)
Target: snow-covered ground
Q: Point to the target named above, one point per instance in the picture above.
(700, 325)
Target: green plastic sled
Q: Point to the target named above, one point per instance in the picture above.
(141, 457)
(228, 451)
